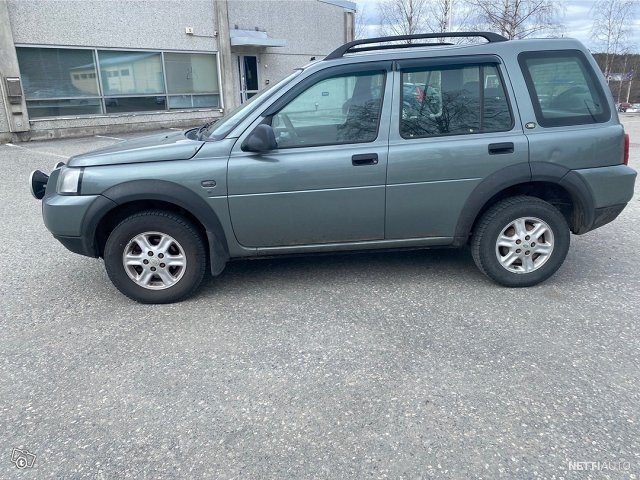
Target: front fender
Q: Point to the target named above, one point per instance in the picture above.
(169, 192)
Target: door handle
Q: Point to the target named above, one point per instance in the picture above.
(364, 159)
(500, 148)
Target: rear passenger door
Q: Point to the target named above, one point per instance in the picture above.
(452, 126)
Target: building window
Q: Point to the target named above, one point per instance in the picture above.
(61, 82)
(55, 82)
(193, 76)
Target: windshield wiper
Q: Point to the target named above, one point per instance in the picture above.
(203, 128)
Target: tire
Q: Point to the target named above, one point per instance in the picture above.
(520, 260)
(147, 238)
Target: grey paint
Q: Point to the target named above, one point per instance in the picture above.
(609, 185)
(152, 148)
(591, 145)
(313, 199)
(430, 179)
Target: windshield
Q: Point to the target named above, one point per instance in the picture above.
(228, 121)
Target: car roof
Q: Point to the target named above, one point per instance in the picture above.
(500, 48)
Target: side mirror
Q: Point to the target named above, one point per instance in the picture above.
(261, 140)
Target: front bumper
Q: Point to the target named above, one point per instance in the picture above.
(73, 219)
(76, 245)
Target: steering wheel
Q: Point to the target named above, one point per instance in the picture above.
(289, 126)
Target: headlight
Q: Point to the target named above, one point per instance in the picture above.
(69, 181)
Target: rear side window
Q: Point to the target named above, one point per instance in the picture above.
(453, 100)
(564, 89)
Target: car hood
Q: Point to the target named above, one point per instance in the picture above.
(152, 148)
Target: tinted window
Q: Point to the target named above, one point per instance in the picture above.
(341, 109)
(59, 81)
(55, 73)
(453, 100)
(563, 88)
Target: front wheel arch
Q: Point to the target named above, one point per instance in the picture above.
(134, 196)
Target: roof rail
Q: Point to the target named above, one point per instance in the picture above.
(348, 47)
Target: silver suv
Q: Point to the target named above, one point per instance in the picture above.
(508, 146)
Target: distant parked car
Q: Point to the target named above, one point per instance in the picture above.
(624, 106)
(635, 108)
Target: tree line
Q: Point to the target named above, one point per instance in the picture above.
(610, 33)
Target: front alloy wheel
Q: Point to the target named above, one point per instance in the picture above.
(154, 260)
(156, 257)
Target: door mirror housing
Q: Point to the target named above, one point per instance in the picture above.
(261, 140)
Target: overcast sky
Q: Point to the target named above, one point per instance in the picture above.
(576, 20)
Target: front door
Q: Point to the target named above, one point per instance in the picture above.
(249, 83)
(326, 181)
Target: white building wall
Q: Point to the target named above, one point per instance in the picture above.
(311, 28)
(157, 24)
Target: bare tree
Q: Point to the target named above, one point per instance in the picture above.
(518, 18)
(611, 20)
(360, 22)
(403, 17)
(447, 15)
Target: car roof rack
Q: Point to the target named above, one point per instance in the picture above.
(349, 47)
(399, 45)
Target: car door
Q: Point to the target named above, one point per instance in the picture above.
(325, 183)
(452, 126)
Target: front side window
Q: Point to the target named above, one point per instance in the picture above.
(336, 110)
(453, 100)
(563, 88)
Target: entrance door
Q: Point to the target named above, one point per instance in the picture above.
(249, 85)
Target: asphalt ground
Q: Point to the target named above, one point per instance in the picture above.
(386, 365)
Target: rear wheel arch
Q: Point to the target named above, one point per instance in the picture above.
(552, 183)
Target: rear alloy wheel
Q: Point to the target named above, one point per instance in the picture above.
(155, 257)
(520, 241)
